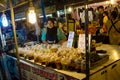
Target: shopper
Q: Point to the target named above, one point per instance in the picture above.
(101, 10)
(31, 32)
(64, 28)
(105, 19)
(41, 23)
(52, 34)
(100, 20)
(113, 28)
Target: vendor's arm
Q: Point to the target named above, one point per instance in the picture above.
(61, 36)
(43, 37)
(62, 41)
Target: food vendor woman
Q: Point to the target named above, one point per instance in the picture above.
(52, 34)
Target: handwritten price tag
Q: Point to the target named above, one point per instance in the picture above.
(70, 39)
(81, 42)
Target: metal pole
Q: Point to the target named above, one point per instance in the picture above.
(66, 17)
(15, 38)
(65, 10)
(87, 40)
(43, 10)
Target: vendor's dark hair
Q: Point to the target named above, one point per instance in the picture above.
(106, 13)
(51, 19)
(114, 14)
(100, 7)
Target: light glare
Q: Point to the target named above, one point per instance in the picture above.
(70, 9)
(4, 20)
(32, 16)
(112, 1)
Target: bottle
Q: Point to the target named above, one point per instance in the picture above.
(83, 66)
(93, 46)
(75, 41)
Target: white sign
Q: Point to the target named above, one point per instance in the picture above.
(70, 39)
(71, 35)
(69, 43)
(81, 42)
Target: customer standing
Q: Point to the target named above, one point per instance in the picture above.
(105, 19)
(101, 11)
(100, 20)
(113, 28)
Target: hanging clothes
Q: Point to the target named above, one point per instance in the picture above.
(76, 15)
(82, 16)
(90, 16)
(37, 29)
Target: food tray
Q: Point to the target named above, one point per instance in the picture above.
(102, 60)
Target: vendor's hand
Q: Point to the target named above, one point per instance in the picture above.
(101, 31)
(45, 42)
(62, 41)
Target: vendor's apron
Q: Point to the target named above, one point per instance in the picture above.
(51, 35)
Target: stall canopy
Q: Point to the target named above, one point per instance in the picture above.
(3, 5)
(58, 3)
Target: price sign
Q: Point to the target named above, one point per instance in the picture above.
(70, 42)
(81, 42)
(70, 39)
(71, 35)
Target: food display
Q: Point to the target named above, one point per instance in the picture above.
(54, 55)
(91, 30)
(57, 56)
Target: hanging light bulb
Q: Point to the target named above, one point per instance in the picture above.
(4, 20)
(31, 14)
(70, 9)
(107, 2)
(112, 1)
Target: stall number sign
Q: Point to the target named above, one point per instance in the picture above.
(70, 39)
(81, 42)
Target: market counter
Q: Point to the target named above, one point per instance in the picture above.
(36, 71)
(29, 68)
(110, 69)
(114, 55)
